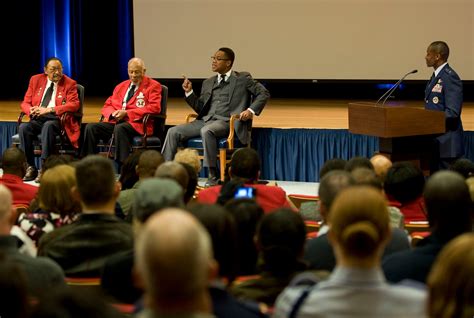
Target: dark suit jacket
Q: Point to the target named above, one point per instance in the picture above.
(444, 93)
(245, 93)
(320, 255)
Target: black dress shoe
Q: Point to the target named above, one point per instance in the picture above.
(212, 181)
(31, 174)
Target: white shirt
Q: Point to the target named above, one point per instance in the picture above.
(124, 102)
(439, 69)
(52, 102)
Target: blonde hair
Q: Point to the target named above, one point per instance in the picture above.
(54, 194)
(189, 156)
(451, 280)
(359, 220)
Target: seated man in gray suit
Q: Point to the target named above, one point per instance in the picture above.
(221, 96)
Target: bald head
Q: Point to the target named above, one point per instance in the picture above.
(381, 165)
(174, 257)
(136, 70)
(173, 170)
(136, 61)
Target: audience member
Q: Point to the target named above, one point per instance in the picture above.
(13, 284)
(358, 162)
(128, 171)
(190, 192)
(41, 274)
(381, 165)
(310, 211)
(123, 112)
(463, 166)
(221, 96)
(57, 206)
(356, 288)
(319, 253)
(14, 169)
(145, 168)
(82, 247)
(189, 156)
(244, 171)
(174, 171)
(449, 207)
(175, 263)
(152, 195)
(222, 229)
(49, 95)
(280, 240)
(450, 282)
(404, 188)
(53, 161)
(247, 215)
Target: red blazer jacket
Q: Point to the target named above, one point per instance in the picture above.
(66, 101)
(146, 100)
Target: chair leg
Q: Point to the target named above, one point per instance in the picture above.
(222, 162)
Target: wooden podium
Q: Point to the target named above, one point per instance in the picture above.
(405, 133)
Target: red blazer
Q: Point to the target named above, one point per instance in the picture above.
(146, 100)
(66, 101)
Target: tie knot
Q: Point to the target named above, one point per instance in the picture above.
(223, 77)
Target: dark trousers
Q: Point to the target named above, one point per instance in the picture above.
(47, 127)
(209, 131)
(123, 134)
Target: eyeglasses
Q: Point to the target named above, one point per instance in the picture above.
(216, 58)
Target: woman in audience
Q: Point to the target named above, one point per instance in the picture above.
(57, 207)
(451, 281)
(281, 236)
(359, 231)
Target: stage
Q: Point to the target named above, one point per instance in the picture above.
(293, 136)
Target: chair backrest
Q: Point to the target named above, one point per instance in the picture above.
(164, 99)
(159, 123)
(80, 94)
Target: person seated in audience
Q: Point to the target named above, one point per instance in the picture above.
(360, 229)
(404, 188)
(189, 156)
(223, 231)
(82, 247)
(381, 165)
(13, 284)
(319, 253)
(358, 162)
(57, 206)
(145, 167)
(14, 169)
(152, 195)
(190, 193)
(53, 161)
(174, 171)
(450, 283)
(128, 171)
(124, 111)
(364, 176)
(42, 274)
(245, 170)
(449, 207)
(175, 265)
(281, 236)
(310, 211)
(463, 166)
(247, 215)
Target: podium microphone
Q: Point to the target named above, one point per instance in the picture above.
(389, 93)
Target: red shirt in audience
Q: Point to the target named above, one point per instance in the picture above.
(22, 193)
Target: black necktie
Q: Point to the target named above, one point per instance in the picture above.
(48, 95)
(222, 82)
(130, 93)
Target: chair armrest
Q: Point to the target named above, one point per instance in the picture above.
(230, 138)
(20, 119)
(149, 117)
(189, 117)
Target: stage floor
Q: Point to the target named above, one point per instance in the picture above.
(279, 113)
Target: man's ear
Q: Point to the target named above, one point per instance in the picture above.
(44, 68)
(118, 188)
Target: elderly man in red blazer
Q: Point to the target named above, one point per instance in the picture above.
(49, 95)
(124, 111)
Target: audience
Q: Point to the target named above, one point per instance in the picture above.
(57, 206)
(174, 171)
(463, 166)
(41, 274)
(189, 156)
(82, 247)
(450, 283)
(190, 193)
(247, 214)
(280, 240)
(145, 166)
(359, 231)
(152, 195)
(403, 186)
(53, 161)
(13, 284)
(175, 263)
(358, 162)
(244, 171)
(449, 207)
(128, 171)
(381, 165)
(14, 168)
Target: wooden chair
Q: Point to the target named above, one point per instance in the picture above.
(298, 199)
(226, 146)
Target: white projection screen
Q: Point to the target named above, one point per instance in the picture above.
(303, 39)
